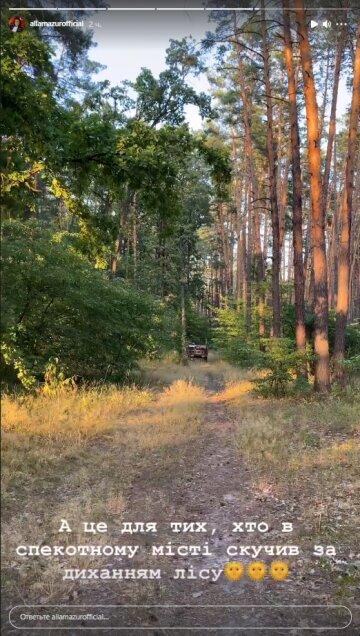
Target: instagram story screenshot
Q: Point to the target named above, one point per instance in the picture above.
(180, 317)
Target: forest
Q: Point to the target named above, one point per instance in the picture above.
(128, 235)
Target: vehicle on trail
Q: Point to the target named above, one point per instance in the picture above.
(197, 351)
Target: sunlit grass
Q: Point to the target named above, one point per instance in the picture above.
(305, 450)
(235, 391)
(180, 394)
(71, 413)
(216, 371)
(338, 454)
(73, 455)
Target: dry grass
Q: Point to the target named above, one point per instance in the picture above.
(236, 391)
(307, 453)
(75, 414)
(287, 438)
(216, 371)
(73, 456)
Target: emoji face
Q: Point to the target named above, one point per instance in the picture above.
(256, 570)
(279, 570)
(234, 570)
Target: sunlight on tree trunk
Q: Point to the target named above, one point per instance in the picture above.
(321, 341)
(342, 307)
(275, 287)
(299, 283)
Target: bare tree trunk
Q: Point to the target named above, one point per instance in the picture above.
(354, 311)
(299, 282)
(342, 306)
(324, 104)
(241, 245)
(283, 190)
(332, 123)
(272, 179)
(231, 256)
(120, 241)
(222, 211)
(248, 277)
(321, 341)
(266, 238)
(254, 233)
(332, 260)
(135, 236)
(184, 358)
(283, 196)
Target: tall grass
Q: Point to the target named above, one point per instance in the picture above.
(71, 413)
(73, 455)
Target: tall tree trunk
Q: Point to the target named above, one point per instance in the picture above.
(183, 356)
(325, 100)
(120, 241)
(299, 282)
(248, 277)
(223, 218)
(238, 193)
(275, 288)
(256, 251)
(333, 239)
(266, 238)
(321, 340)
(283, 190)
(332, 123)
(135, 236)
(231, 255)
(309, 267)
(342, 306)
(354, 310)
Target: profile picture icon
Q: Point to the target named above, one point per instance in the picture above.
(17, 24)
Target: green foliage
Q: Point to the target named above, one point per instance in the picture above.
(217, 156)
(310, 438)
(231, 339)
(168, 336)
(55, 378)
(198, 328)
(352, 337)
(163, 99)
(13, 362)
(288, 321)
(59, 307)
(352, 366)
(120, 176)
(283, 365)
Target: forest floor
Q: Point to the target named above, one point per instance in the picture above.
(194, 445)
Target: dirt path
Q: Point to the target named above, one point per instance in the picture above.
(202, 480)
(208, 481)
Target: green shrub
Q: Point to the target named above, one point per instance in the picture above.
(284, 365)
(57, 306)
(310, 438)
(231, 340)
(352, 365)
(352, 338)
(198, 328)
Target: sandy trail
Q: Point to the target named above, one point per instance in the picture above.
(205, 480)
(208, 481)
